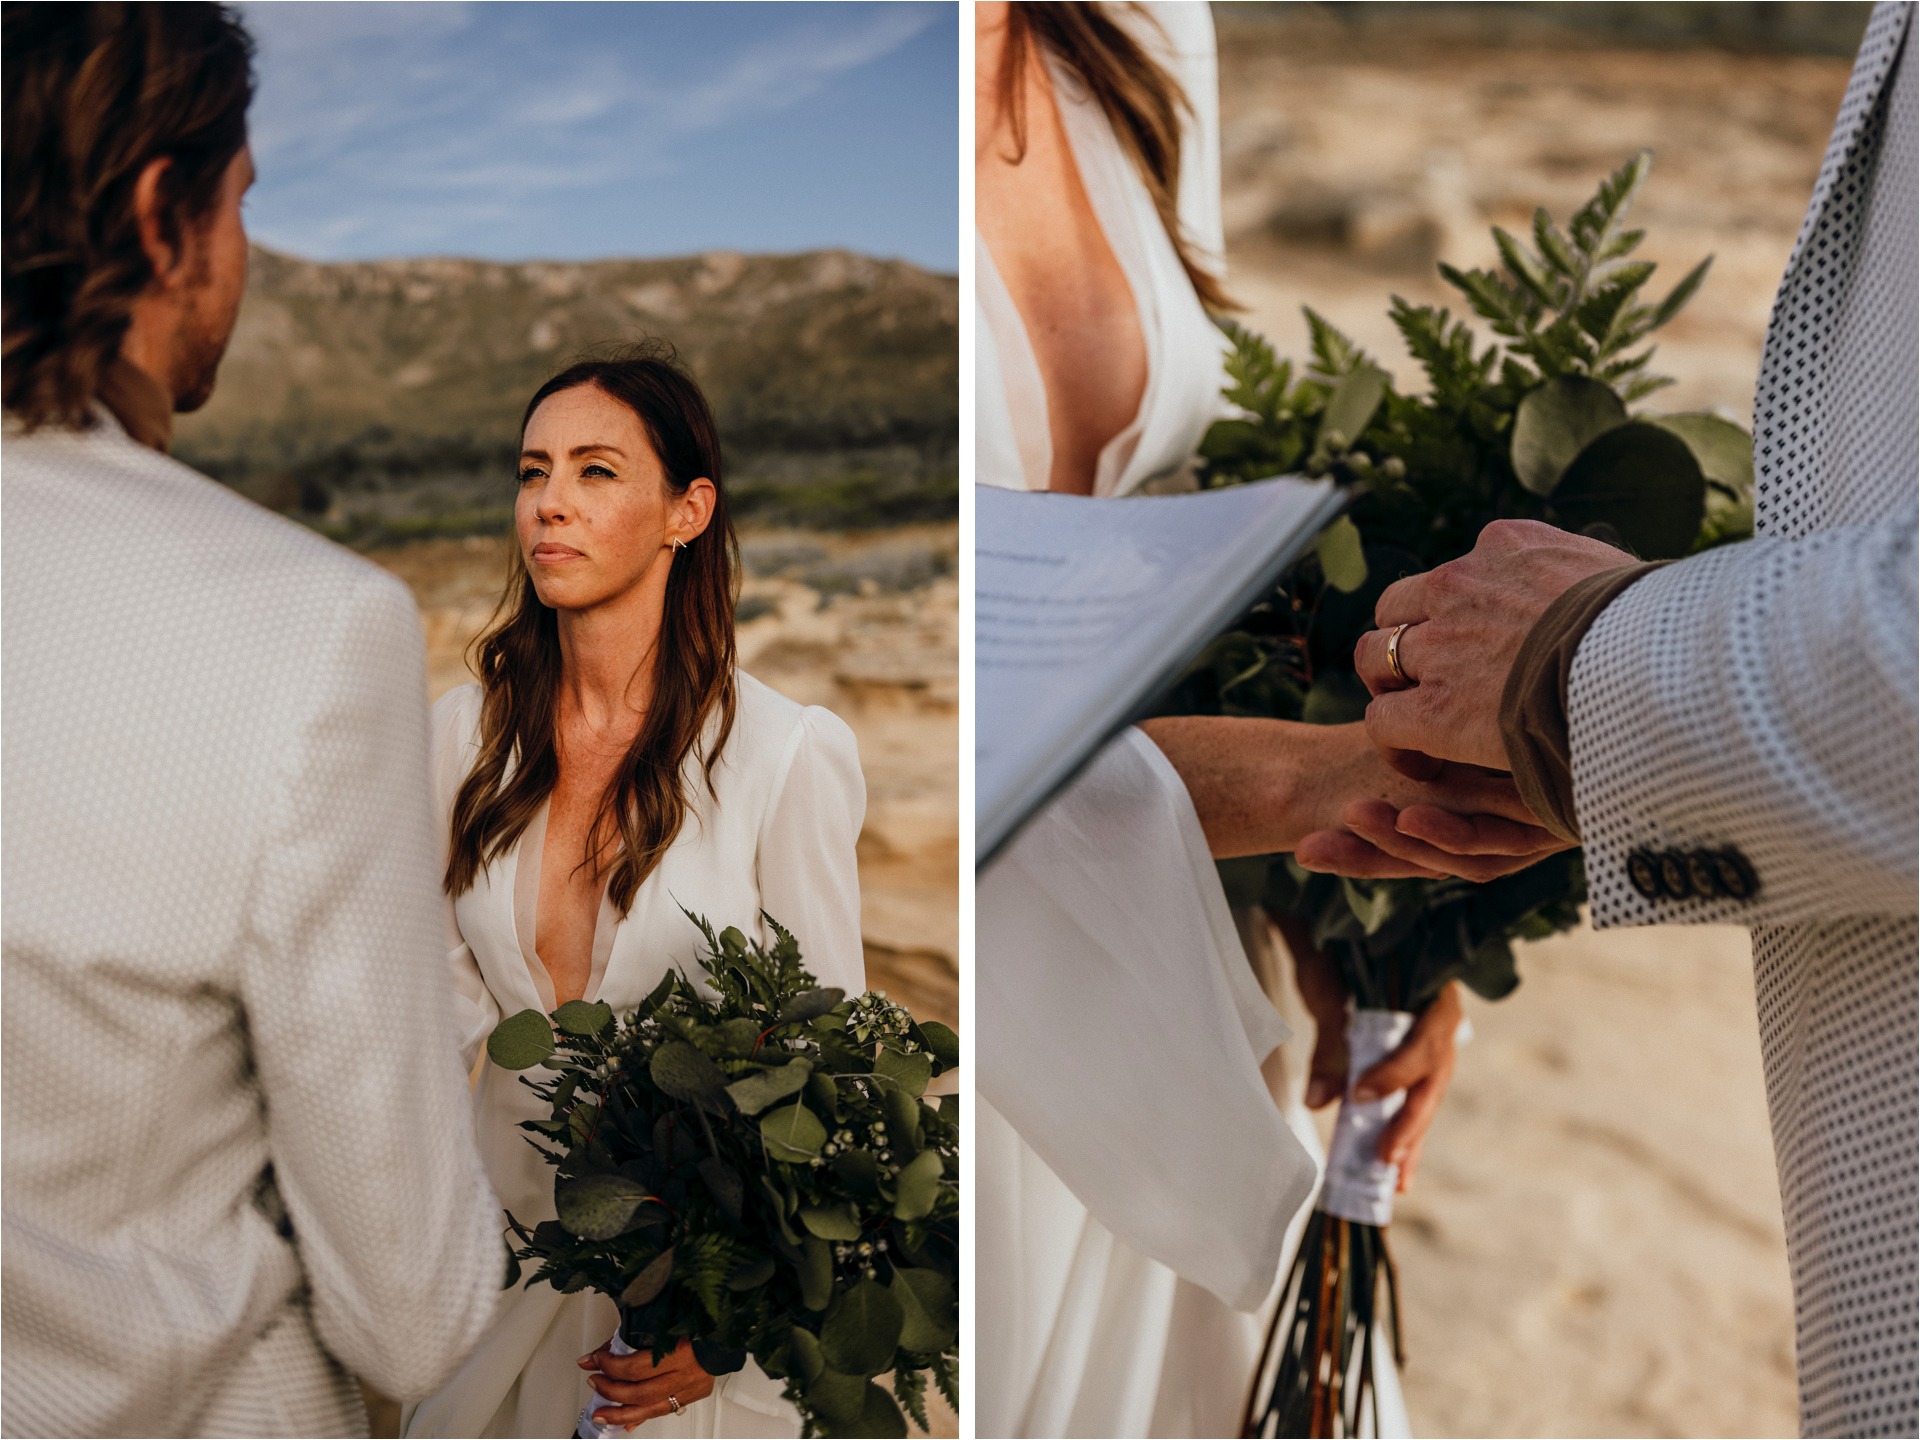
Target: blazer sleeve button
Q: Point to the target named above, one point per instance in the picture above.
(1705, 877)
(1644, 873)
(1736, 875)
(1674, 879)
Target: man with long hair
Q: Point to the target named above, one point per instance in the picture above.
(238, 1161)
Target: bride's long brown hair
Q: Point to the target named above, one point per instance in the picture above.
(1144, 104)
(518, 659)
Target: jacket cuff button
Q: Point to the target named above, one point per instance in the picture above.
(1705, 876)
(1736, 875)
(1674, 880)
(1644, 873)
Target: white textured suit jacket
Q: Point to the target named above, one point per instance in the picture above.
(222, 945)
(1762, 698)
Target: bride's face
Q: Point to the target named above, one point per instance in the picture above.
(595, 516)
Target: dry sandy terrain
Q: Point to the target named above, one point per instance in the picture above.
(1593, 1246)
(864, 625)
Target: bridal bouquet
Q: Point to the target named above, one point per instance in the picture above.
(749, 1164)
(1535, 426)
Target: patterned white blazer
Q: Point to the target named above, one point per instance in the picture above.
(238, 1156)
(1744, 735)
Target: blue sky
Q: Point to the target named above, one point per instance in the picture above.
(570, 131)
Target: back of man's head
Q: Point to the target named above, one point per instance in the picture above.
(94, 95)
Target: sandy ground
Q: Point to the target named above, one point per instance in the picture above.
(1593, 1246)
(864, 625)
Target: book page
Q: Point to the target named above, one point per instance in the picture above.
(1084, 610)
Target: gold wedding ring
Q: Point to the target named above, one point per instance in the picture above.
(1393, 653)
(673, 1404)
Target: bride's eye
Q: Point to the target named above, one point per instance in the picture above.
(532, 472)
(597, 469)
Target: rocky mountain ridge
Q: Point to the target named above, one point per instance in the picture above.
(391, 391)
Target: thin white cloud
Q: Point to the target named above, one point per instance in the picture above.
(413, 121)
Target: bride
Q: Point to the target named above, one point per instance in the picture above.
(1124, 1251)
(611, 768)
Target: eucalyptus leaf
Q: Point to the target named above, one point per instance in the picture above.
(793, 1133)
(841, 1399)
(918, 1186)
(942, 1041)
(1721, 448)
(1341, 558)
(752, 1275)
(816, 1273)
(716, 1358)
(832, 1222)
(930, 1310)
(880, 1417)
(903, 1119)
(811, 1003)
(1351, 405)
(1643, 481)
(910, 1072)
(598, 1207)
(685, 1073)
(521, 1041)
(753, 1093)
(650, 1281)
(862, 1330)
(578, 1017)
(803, 1352)
(1555, 423)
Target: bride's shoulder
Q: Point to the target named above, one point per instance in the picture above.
(455, 720)
(1185, 29)
(768, 725)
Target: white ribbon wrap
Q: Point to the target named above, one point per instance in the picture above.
(1359, 1184)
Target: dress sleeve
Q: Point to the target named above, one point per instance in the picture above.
(809, 877)
(1758, 699)
(369, 1127)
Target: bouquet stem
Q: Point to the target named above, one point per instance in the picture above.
(1316, 1369)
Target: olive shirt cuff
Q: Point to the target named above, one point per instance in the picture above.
(1533, 706)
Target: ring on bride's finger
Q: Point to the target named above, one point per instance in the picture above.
(1393, 653)
(673, 1404)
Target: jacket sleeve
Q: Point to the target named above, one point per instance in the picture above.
(351, 1018)
(1755, 702)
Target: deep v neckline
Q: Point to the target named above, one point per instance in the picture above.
(529, 855)
(1117, 452)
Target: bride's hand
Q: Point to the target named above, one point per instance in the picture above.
(1465, 821)
(1422, 1064)
(639, 1388)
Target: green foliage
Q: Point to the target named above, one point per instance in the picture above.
(1535, 426)
(747, 1163)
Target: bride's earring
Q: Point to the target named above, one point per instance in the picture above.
(678, 544)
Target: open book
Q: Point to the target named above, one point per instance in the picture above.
(1086, 610)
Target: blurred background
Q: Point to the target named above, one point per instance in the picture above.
(1593, 1245)
(456, 201)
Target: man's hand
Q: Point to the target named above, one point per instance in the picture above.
(1465, 622)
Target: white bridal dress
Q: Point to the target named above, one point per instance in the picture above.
(1137, 1188)
(777, 835)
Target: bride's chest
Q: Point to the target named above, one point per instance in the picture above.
(710, 871)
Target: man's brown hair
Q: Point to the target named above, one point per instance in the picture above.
(94, 93)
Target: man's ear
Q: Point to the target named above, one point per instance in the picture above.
(696, 507)
(159, 235)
